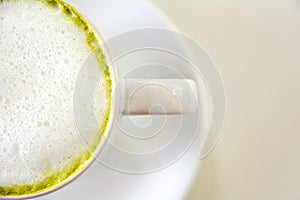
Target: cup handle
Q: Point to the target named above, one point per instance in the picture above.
(159, 96)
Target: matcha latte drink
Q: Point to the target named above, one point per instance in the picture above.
(43, 45)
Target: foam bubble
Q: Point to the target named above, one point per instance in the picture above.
(41, 54)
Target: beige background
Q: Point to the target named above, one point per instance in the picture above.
(256, 45)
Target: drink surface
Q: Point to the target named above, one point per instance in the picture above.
(44, 44)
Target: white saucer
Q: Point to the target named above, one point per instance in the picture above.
(99, 181)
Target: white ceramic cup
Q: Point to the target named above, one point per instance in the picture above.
(169, 96)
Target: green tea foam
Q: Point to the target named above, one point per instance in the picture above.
(43, 45)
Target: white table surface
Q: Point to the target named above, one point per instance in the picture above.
(256, 45)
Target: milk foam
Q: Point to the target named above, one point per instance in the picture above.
(41, 54)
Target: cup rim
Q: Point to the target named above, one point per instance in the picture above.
(112, 114)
